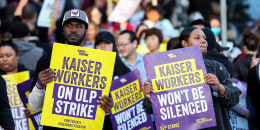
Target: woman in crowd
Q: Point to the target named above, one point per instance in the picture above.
(94, 14)
(153, 39)
(91, 33)
(215, 26)
(9, 60)
(253, 83)
(250, 42)
(224, 94)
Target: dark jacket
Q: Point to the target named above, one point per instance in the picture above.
(6, 118)
(213, 54)
(253, 89)
(221, 103)
(241, 67)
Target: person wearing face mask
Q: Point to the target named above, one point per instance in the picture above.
(200, 23)
(217, 49)
(224, 94)
(216, 31)
(212, 54)
(215, 26)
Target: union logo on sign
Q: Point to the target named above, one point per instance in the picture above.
(74, 13)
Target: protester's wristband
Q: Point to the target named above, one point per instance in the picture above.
(39, 86)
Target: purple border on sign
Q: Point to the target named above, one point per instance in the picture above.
(191, 121)
(124, 124)
(75, 101)
(22, 89)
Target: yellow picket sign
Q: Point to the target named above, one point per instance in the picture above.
(16, 104)
(83, 74)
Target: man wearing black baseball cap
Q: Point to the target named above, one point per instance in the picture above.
(221, 48)
(75, 22)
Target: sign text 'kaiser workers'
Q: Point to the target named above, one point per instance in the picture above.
(181, 99)
(83, 75)
(127, 112)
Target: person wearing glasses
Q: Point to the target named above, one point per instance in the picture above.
(126, 46)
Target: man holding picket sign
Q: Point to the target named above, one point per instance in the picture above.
(75, 22)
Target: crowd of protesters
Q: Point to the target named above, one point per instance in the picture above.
(26, 46)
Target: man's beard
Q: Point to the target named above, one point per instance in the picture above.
(77, 43)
